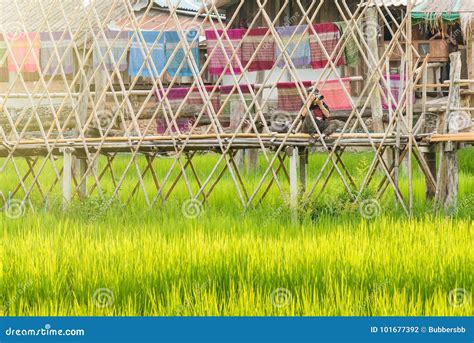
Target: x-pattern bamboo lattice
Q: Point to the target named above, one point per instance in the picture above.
(82, 33)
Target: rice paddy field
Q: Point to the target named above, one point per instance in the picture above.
(108, 259)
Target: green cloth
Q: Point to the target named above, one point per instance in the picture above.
(233, 100)
(351, 51)
(423, 11)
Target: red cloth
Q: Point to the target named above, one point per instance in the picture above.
(221, 56)
(334, 95)
(177, 95)
(289, 98)
(329, 35)
(245, 89)
(264, 56)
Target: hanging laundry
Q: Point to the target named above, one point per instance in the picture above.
(351, 51)
(154, 63)
(180, 64)
(297, 46)
(289, 98)
(3, 52)
(395, 84)
(25, 56)
(335, 95)
(177, 96)
(111, 51)
(193, 104)
(329, 36)
(264, 56)
(221, 56)
(197, 99)
(56, 44)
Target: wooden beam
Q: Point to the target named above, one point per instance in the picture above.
(294, 181)
(67, 177)
(455, 137)
(303, 152)
(253, 153)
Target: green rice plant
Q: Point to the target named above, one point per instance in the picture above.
(103, 258)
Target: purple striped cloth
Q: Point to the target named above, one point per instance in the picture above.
(111, 50)
(52, 45)
(297, 47)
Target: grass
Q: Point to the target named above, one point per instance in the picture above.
(116, 260)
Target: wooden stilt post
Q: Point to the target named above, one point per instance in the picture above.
(303, 170)
(430, 155)
(67, 177)
(430, 158)
(294, 182)
(470, 64)
(448, 182)
(253, 153)
(237, 111)
(81, 165)
(100, 85)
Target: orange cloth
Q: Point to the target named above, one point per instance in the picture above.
(23, 52)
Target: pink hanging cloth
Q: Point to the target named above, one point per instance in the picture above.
(395, 88)
(335, 97)
(334, 94)
(23, 52)
(264, 56)
(221, 56)
(289, 98)
(329, 35)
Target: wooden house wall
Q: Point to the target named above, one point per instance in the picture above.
(246, 12)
